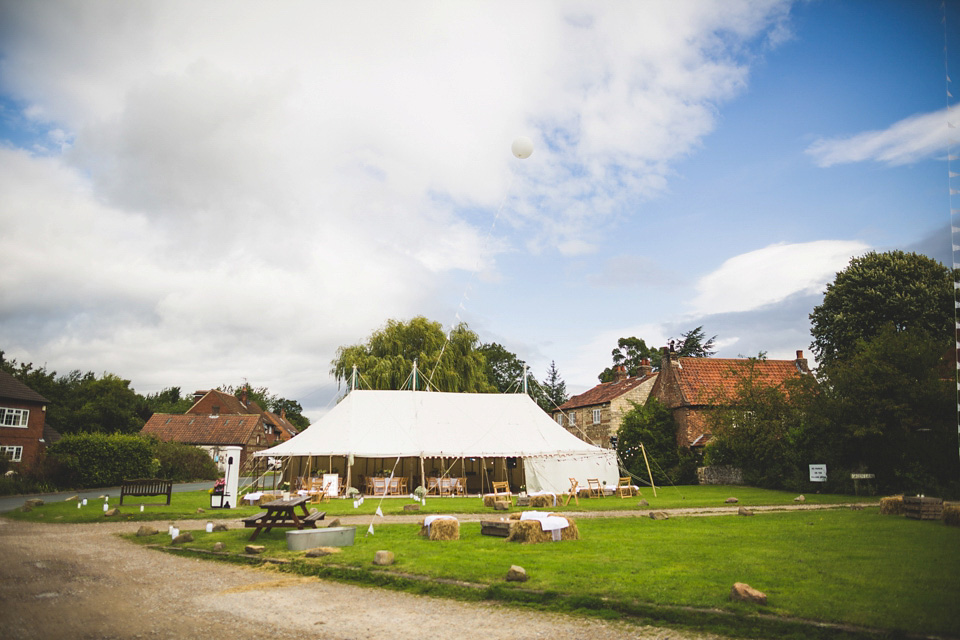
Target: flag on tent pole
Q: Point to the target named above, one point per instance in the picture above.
(379, 512)
(370, 529)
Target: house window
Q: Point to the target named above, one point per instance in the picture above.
(560, 419)
(14, 417)
(596, 416)
(15, 454)
(572, 418)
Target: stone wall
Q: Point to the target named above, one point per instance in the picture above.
(719, 475)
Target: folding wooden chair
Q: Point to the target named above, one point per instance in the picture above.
(595, 488)
(574, 490)
(502, 489)
(625, 488)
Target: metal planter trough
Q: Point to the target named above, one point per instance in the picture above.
(303, 539)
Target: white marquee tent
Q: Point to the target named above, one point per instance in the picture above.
(468, 427)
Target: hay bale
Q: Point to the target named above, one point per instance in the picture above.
(891, 506)
(541, 501)
(516, 515)
(490, 500)
(446, 529)
(951, 515)
(530, 531)
(268, 497)
(441, 529)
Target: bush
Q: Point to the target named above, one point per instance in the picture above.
(183, 462)
(100, 460)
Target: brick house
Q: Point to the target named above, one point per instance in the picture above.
(691, 387)
(22, 421)
(595, 415)
(217, 420)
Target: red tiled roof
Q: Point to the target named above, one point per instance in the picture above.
(703, 381)
(201, 429)
(229, 404)
(605, 392)
(283, 427)
(12, 388)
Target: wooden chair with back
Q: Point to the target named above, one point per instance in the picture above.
(574, 490)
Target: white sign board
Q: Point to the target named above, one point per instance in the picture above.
(818, 473)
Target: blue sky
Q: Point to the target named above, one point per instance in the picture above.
(232, 190)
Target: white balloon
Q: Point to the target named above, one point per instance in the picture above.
(522, 147)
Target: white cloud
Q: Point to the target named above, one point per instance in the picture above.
(907, 141)
(772, 274)
(236, 188)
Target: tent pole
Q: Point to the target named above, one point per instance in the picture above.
(483, 475)
(642, 448)
(349, 467)
(423, 476)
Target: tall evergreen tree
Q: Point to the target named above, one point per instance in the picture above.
(554, 387)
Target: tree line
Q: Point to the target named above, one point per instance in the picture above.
(86, 403)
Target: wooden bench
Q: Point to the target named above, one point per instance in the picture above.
(146, 487)
(498, 528)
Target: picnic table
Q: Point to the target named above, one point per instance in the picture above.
(283, 513)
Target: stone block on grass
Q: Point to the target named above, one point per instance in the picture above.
(745, 593)
(517, 574)
(383, 558)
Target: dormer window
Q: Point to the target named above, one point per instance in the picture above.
(215, 410)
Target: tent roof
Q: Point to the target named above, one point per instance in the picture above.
(384, 424)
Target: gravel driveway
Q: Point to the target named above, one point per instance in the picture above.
(80, 581)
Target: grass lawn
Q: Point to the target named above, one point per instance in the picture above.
(184, 506)
(842, 566)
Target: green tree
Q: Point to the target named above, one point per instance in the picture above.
(695, 344)
(167, 400)
(630, 353)
(888, 408)
(554, 388)
(106, 405)
(505, 372)
(652, 425)
(904, 290)
(386, 360)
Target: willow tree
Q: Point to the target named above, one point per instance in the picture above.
(447, 363)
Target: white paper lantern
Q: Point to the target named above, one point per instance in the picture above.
(84, 502)
(141, 508)
(522, 147)
(105, 507)
(209, 527)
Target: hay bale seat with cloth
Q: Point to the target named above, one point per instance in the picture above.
(440, 528)
(146, 487)
(534, 527)
(542, 499)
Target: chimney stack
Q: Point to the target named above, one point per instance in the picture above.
(243, 397)
(645, 368)
(801, 362)
(619, 373)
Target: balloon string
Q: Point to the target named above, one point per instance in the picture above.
(473, 275)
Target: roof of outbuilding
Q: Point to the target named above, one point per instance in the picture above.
(703, 380)
(12, 388)
(201, 429)
(605, 392)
